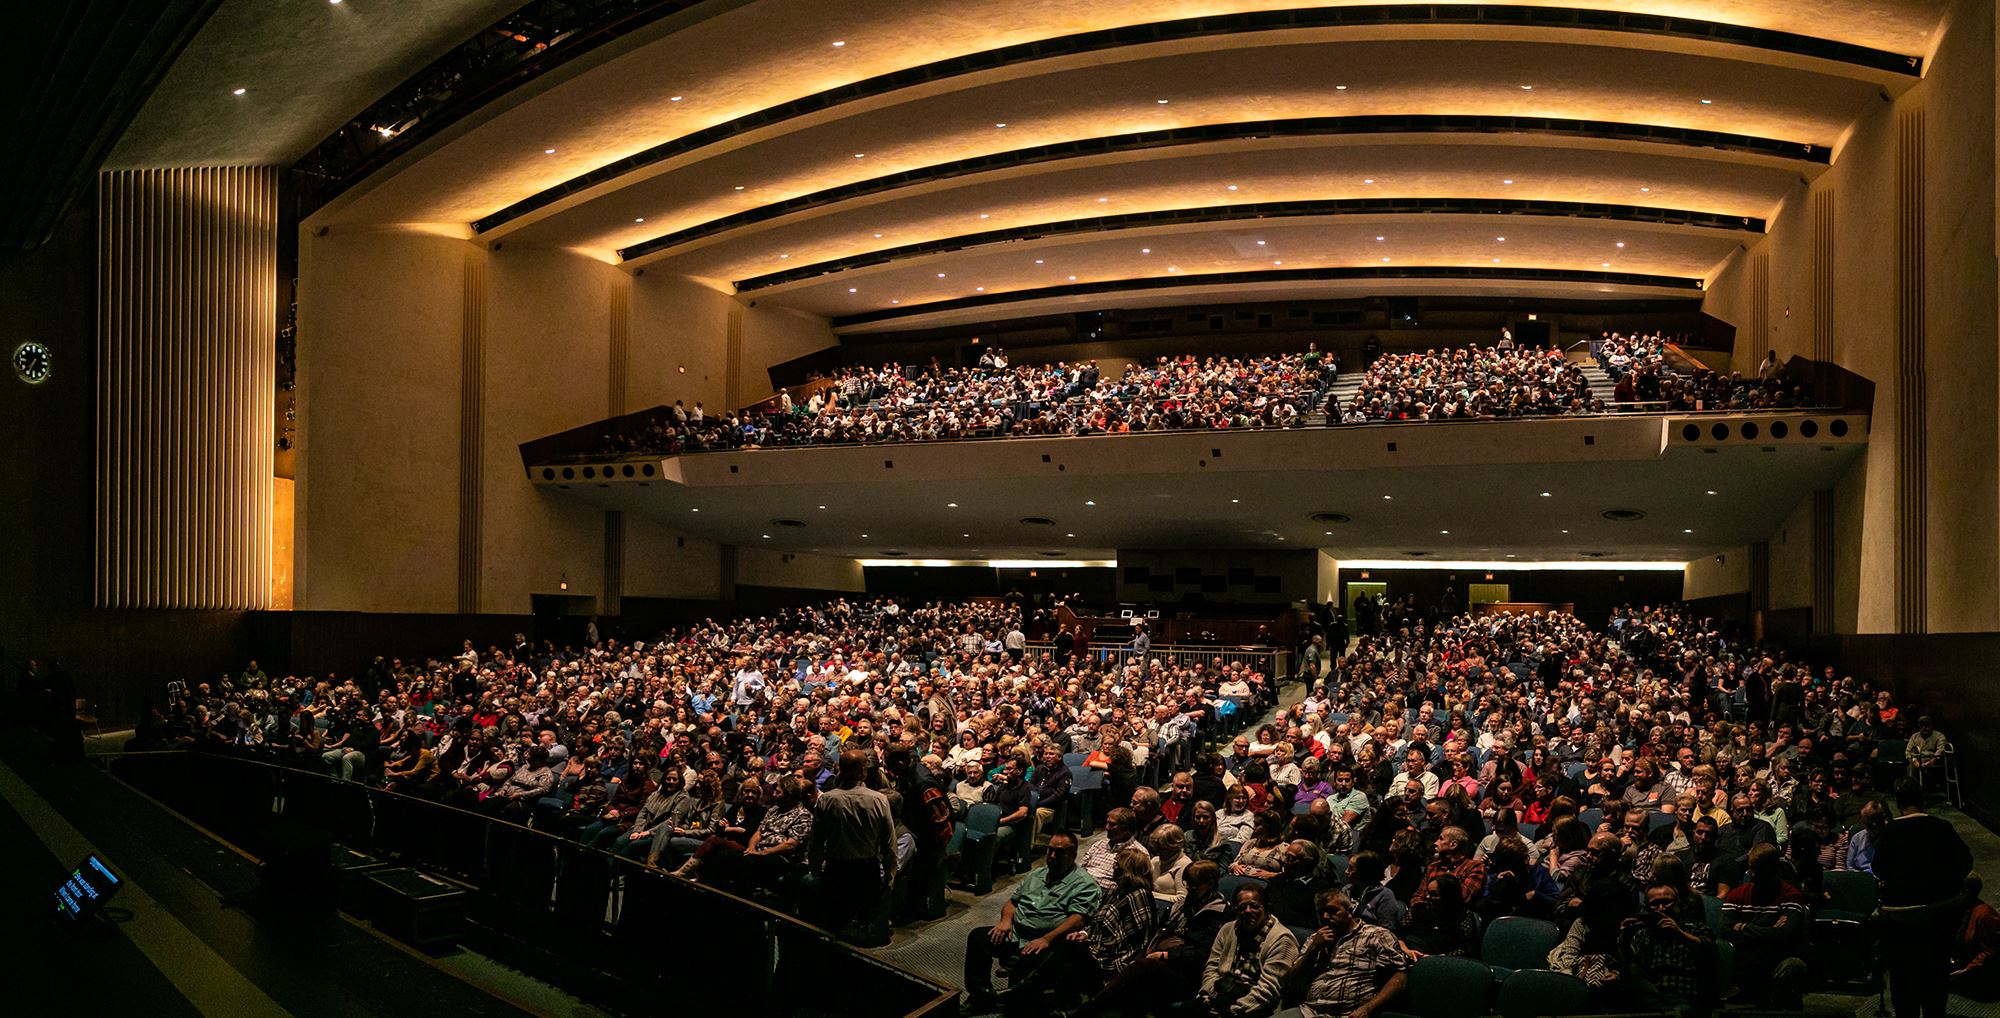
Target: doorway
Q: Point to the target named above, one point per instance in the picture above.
(1355, 588)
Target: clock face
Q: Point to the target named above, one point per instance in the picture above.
(32, 363)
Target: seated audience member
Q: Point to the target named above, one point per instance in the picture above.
(1439, 922)
(1661, 958)
(1368, 896)
(1117, 932)
(1975, 952)
(1171, 970)
(1051, 903)
(1347, 968)
(1249, 963)
(1100, 860)
(1169, 862)
(1291, 894)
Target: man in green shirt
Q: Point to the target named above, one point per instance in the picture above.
(1047, 906)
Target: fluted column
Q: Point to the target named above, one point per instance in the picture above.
(187, 299)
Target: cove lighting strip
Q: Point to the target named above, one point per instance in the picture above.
(996, 563)
(1512, 566)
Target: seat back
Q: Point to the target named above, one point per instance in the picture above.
(1085, 779)
(1591, 818)
(1852, 891)
(1519, 942)
(982, 818)
(1532, 993)
(1074, 760)
(1444, 987)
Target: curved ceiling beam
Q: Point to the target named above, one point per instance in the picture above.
(1271, 210)
(1209, 133)
(1103, 286)
(1455, 16)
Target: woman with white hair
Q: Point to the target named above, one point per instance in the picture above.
(1170, 861)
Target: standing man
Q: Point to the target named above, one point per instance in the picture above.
(1922, 863)
(1049, 905)
(927, 816)
(854, 844)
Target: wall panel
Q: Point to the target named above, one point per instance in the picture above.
(186, 362)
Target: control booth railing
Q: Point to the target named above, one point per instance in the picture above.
(605, 927)
(1275, 661)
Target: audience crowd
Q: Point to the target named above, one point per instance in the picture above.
(1674, 807)
(900, 403)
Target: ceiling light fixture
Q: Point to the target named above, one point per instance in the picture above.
(894, 301)
(860, 155)
(1444, 531)
(852, 290)
(1340, 88)
(1687, 531)
(1647, 190)
(1502, 240)
(940, 275)
(951, 505)
(1507, 182)
(739, 187)
(979, 289)
(1145, 250)
(1527, 88)
(548, 151)
(838, 43)
(240, 91)
(673, 98)
(1072, 279)
(1368, 180)
(1708, 102)
(1088, 502)
(1232, 187)
(1381, 238)
(1038, 261)
(1162, 102)
(1388, 498)
(1711, 492)
(641, 219)
(1260, 243)
(1621, 243)
(1546, 495)
(1277, 262)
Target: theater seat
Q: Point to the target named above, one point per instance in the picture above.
(1442, 987)
(1518, 942)
(1533, 993)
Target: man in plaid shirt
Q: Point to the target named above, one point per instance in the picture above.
(1351, 969)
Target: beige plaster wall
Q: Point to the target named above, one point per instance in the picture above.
(756, 567)
(1708, 577)
(377, 490)
(677, 323)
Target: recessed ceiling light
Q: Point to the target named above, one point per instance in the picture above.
(822, 507)
(641, 219)
(965, 535)
(1232, 187)
(1496, 261)
(1173, 268)
(1385, 258)
(1381, 238)
(1527, 88)
(1711, 492)
(860, 155)
(1329, 533)
(999, 125)
(1234, 501)
(1708, 102)
(1038, 261)
(878, 236)
(1502, 240)
(1444, 531)
(1687, 531)
(1340, 88)
(739, 187)
(1646, 189)
(1277, 262)
(951, 505)
(1162, 102)
(851, 290)
(694, 510)
(1069, 535)
(1260, 243)
(838, 43)
(864, 535)
(940, 275)
(979, 289)
(783, 256)
(894, 301)
(548, 151)
(767, 537)
(1621, 243)
(1088, 502)
(1604, 265)
(240, 91)
(1565, 531)
(1072, 279)
(1145, 250)
(1368, 180)
(1506, 181)
(673, 98)
(1103, 199)
(1388, 498)
(1546, 495)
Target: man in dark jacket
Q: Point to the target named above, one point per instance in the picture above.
(1922, 863)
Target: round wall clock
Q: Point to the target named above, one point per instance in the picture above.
(32, 363)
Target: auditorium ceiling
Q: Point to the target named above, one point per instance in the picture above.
(758, 144)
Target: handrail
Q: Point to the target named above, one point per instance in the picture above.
(621, 871)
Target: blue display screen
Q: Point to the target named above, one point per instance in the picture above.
(87, 889)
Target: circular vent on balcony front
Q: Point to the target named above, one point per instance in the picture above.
(788, 523)
(1623, 515)
(1332, 518)
(895, 554)
(1416, 554)
(1596, 554)
(1037, 521)
(1052, 554)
